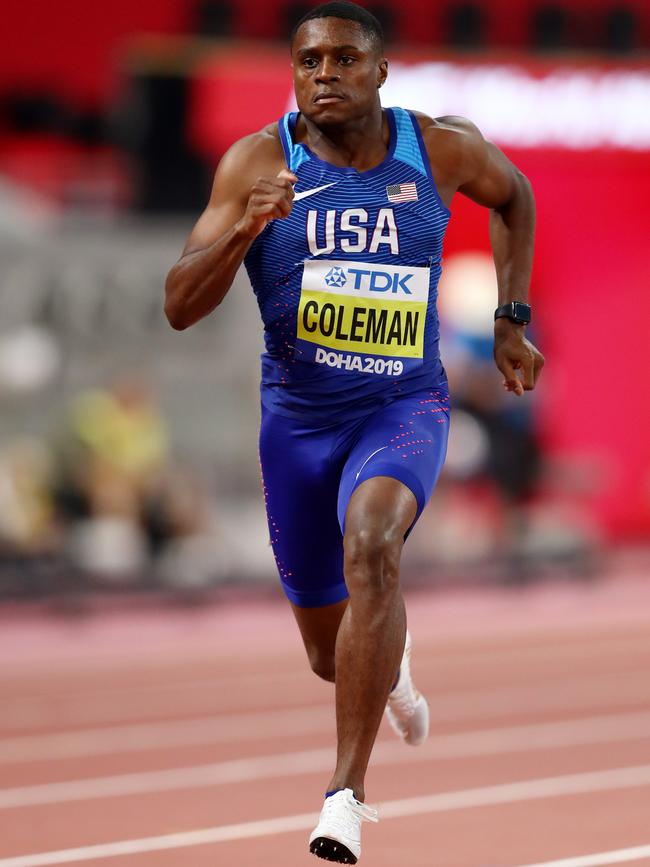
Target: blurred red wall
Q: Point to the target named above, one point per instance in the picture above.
(70, 46)
(591, 297)
(591, 286)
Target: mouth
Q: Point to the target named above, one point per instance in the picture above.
(327, 97)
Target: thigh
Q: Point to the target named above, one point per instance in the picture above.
(406, 441)
(301, 483)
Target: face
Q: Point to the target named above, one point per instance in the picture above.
(337, 69)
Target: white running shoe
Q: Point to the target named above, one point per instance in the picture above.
(407, 710)
(337, 837)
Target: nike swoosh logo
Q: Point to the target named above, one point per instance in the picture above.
(367, 459)
(304, 193)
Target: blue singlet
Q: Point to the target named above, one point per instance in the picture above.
(347, 284)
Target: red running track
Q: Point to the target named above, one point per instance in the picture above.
(199, 737)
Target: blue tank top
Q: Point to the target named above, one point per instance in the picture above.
(347, 284)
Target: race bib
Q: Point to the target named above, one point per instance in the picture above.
(362, 316)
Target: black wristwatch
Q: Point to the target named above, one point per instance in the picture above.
(516, 311)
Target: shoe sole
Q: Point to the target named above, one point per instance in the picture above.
(331, 850)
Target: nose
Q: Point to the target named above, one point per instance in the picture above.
(328, 71)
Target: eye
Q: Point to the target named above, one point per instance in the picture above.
(310, 63)
(346, 60)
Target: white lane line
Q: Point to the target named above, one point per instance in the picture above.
(528, 790)
(445, 708)
(286, 670)
(290, 664)
(512, 739)
(597, 693)
(616, 856)
(180, 840)
(143, 737)
(310, 720)
(110, 704)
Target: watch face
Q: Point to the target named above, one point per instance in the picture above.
(521, 311)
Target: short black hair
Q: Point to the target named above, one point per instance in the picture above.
(349, 12)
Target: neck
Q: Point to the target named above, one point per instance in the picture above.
(360, 143)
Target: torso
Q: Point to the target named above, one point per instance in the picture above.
(347, 283)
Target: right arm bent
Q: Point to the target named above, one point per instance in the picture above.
(238, 210)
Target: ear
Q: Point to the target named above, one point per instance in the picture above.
(382, 72)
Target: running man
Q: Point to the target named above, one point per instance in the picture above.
(338, 212)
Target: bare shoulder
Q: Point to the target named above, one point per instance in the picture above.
(256, 154)
(455, 147)
(454, 133)
(461, 159)
(252, 157)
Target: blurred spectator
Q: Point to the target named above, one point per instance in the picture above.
(466, 26)
(124, 499)
(27, 525)
(622, 28)
(550, 27)
(115, 442)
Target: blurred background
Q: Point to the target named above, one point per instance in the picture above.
(128, 452)
(147, 657)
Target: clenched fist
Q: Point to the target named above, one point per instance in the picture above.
(269, 199)
(512, 353)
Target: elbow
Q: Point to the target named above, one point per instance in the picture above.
(175, 319)
(520, 200)
(524, 187)
(188, 299)
(528, 197)
(176, 315)
(174, 312)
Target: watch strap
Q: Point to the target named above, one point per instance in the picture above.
(517, 311)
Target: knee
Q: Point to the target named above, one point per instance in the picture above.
(322, 665)
(372, 557)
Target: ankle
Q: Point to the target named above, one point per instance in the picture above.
(357, 791)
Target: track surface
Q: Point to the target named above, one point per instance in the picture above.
(199, 737)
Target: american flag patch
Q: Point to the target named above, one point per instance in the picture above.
(402, 193)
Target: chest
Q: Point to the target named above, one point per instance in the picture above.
(390, 216)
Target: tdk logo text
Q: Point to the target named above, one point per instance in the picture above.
(373, 281)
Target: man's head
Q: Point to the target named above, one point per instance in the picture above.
(347, 12)
(338, 63)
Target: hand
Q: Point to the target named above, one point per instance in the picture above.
(512, 352)
(269, 199)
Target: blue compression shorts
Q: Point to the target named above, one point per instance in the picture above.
(309, 474)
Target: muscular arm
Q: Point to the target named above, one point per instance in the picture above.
(463, 161)
(250, 188)
(491, 180)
